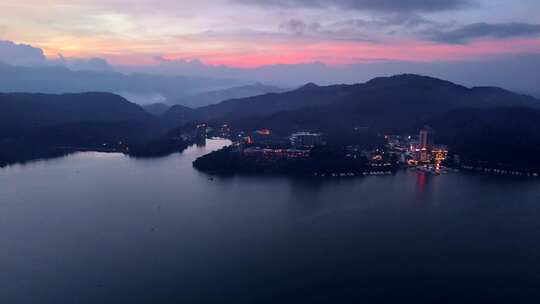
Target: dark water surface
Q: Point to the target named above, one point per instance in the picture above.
(104, 228)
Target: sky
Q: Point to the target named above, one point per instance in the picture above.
(285, 42)
(254, 33)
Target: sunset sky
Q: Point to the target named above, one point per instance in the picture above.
(253, 33)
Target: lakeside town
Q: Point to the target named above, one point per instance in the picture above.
(308, 153)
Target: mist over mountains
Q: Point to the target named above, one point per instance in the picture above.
(58, 80)
(515, 72)
(512, 72)
(24, 68)
(213, 97)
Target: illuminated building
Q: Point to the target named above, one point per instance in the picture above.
(377, 157)
(264, 132)
(439, 153)
(262, 137)
(306, 139)
(426, 137)
(425, 144)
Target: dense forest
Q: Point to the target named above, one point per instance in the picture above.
(322, 160)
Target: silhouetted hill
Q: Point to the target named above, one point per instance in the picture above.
(308, 87)
(499, 97)
(42, 125)
(26, 108)
(261, 105)
(386, 103)
(213, 97)
(179, 115)
(408, 80)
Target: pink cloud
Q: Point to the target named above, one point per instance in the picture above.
(249, 55)
(351, 52)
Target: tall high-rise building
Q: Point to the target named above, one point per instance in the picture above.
(426, 140)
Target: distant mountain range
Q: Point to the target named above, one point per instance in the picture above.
(486, 126)
(58, 80)
(481, 123)
(48, 109)
(213, 97)
(46, 125)
(386, 103)
(382, 103)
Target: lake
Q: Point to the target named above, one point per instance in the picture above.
(106, 228)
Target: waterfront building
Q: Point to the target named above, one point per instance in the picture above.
(265, 137)
(439, 153)
(426, 140)
(264, 132)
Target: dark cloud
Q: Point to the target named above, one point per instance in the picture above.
(315, 30)
(407, 20)
(393, 20)
(358, 29)
(21, 54)
(298, 27)
(374, 5)
(484, 30)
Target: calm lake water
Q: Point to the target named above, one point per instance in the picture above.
(105, 228)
